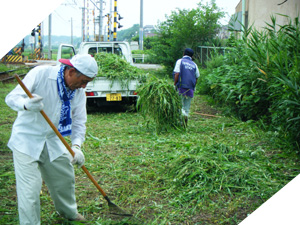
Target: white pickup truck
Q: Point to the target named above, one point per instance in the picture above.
(103, 91)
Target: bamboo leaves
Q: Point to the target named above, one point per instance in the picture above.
(260, 78)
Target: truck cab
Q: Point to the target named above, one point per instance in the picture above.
(118, 48)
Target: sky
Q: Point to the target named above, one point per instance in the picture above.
(154, 11)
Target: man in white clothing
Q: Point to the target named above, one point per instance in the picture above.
(38, 153)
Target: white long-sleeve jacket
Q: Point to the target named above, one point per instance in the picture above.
(30, 131)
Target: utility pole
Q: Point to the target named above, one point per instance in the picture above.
(108, 26)
(83, 22)
(39, 50)
(71, 31)
(243, 14)
(115, 20)
(88, 21)
(109, 22)
(94, 23)
(141, 26)
(101, 20)
(49, 36)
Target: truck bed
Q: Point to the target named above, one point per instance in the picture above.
(102, 91)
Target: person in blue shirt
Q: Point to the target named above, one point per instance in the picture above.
(186, 74)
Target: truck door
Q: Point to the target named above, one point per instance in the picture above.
(65, 51)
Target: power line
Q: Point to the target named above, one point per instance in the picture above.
(59, 16)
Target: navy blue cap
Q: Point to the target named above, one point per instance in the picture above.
(189, 52)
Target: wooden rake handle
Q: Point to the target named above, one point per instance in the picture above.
(61, 137)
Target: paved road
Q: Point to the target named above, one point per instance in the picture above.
(148, 66)
(42, 62)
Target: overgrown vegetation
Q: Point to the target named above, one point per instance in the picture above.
(258, 79)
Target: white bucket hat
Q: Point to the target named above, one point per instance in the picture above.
(84, 63)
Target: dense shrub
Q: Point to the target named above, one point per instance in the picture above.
(239, 84)
(259, 78)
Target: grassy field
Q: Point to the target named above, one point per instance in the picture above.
(216, 171)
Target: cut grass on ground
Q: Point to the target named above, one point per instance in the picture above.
(216, 172)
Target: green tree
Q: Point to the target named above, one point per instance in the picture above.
(148, 41)
(128, 34)
(186, 28)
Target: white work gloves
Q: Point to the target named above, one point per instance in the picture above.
(34, 104)
(78, 157)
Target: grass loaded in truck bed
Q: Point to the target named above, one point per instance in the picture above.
(115, 68)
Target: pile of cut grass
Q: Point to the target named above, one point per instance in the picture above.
(159, 103)
(205, 171)
(115, 68)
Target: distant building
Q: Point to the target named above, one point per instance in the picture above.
(258, 13)
(223, 32)
(149, 31)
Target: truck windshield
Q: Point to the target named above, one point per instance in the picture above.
(117, 51)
